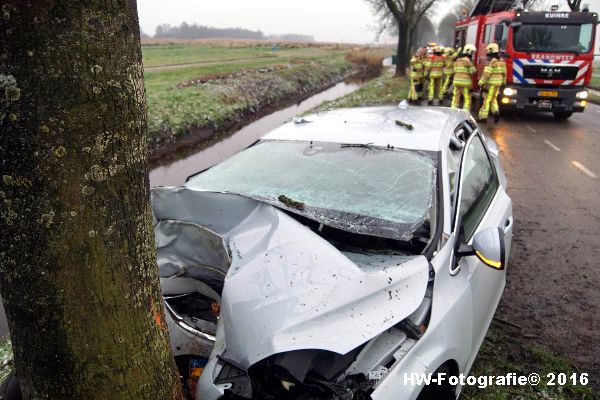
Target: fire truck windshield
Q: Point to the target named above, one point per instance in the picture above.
(553, 38)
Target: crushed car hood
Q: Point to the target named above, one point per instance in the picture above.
(286, 288)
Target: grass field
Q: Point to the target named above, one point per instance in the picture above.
(190, 96)
(383, 90)
(505, 350)
(5, 359)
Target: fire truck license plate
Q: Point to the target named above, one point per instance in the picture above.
(545, 104)
(548, 93)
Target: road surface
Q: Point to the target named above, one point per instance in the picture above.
(553, 288)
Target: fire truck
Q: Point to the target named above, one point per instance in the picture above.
(548, 55)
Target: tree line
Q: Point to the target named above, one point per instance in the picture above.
(195, 31)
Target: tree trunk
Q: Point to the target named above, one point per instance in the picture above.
(402, 49)
(78, 272)
(574, 5)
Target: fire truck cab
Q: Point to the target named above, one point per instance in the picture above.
(549, 55)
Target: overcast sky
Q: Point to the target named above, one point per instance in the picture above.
(326, 20)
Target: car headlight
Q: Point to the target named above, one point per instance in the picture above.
(582, 95)
(509, 92)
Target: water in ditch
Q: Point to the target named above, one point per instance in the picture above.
(176, 173)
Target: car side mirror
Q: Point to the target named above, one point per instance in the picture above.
(488, 246)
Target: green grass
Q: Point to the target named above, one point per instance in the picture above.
(155, 55)
(595, 84)
(5, 358)
(174, 110)
(385, 89)
(503, 352)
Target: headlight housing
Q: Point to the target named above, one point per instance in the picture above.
(509, 92)
(582, 95)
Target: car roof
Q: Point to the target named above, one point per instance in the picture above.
(432, 127)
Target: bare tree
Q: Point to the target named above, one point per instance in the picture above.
(406, 14)
(574, 5)
(78, 271)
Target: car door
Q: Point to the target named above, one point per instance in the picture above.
(482, 202)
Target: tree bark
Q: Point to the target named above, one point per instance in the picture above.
(78, 272)
(402, 49)
(574, 5)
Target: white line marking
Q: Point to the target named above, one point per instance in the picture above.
(554, 147)
(583, 169)
(531, 129)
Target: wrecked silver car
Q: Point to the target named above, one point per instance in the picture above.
(336, 258)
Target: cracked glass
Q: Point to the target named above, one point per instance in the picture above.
(357, 188)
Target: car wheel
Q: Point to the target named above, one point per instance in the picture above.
(10, 388)
(562, 115)
(438, 392)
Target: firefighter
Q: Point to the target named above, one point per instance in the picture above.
(434, 70)
(494, 76)
(450, 55)
(463, 70)
(416, 75)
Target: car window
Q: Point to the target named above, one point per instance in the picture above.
(478, 186)
(488, 33)
(358, 188)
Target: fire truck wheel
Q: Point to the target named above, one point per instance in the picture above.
(562, 114)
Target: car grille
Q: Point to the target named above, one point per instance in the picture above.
(550, 71)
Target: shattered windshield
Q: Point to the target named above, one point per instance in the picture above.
(357, 188)
(554, 38)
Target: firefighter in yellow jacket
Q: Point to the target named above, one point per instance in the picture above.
(434, 70)
(450, 55)
(494, 77)
(417, 66)
(463, 70)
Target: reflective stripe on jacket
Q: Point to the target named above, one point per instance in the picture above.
(463, 70)
(494, 73)
(416, 68)
(448, 64)
(434, 66)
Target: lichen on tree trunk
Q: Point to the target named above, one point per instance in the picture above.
(78, 272)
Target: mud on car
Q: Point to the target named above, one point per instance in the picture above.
(336, 256)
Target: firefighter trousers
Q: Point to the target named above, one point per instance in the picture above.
(413, 93)
(465, 93)
(433, 82)
(491, 102)
(447, 82)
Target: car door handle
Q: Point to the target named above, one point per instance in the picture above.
(508, 224)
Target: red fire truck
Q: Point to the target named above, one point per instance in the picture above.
(548, 55)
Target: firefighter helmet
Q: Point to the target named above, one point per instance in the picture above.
(448, 51)
(438, 49)
(492, 48)
(469, 49)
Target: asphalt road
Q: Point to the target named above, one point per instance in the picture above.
(553, 289)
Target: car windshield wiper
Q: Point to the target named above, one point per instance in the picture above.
(363, 145)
